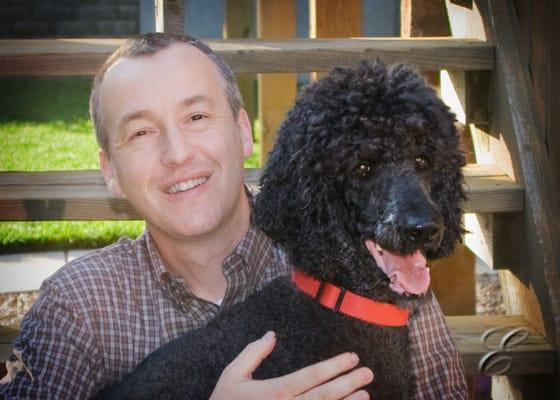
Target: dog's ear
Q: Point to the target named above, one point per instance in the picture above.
(449, 193)
(298, 205)
(274, 202)
(296, 199)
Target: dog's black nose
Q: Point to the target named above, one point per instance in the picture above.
(422, 233)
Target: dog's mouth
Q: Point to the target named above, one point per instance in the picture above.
(408, 274)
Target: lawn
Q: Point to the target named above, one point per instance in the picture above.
(44, 125)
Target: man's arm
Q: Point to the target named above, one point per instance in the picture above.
(58, 355)
(437, 364)
(318, 381)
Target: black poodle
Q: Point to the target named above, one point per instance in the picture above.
(363, 186)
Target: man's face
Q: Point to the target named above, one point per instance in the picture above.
(176, 150)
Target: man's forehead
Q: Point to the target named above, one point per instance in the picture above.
(178, 67)
(178, 72)
(177, 53)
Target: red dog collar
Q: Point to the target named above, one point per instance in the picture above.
(341, 300)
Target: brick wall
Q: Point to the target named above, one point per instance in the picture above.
(68, 18)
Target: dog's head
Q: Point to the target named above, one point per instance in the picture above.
(364, 183)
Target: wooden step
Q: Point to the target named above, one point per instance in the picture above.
(490, 190)
(82, 195)
(84, 56)
(534, 356)
(531, 356)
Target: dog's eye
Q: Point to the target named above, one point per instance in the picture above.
(363, 168)
(422, 162)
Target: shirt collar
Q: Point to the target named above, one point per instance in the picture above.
(241, 250)
(243, 268)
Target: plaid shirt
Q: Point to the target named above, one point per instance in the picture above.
(100, 315)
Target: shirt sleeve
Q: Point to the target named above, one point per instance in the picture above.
(437, 365)
(55, 356)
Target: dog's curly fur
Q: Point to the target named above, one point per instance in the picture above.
(366, 153)
(316, 204)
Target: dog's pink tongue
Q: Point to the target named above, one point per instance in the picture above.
(408, 274)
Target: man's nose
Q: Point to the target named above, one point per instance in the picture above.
(177, 148)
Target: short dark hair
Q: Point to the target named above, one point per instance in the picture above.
(149, 44)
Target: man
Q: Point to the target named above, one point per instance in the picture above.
(173, 137)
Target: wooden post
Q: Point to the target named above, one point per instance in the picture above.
(334, 19)
(240, 24)
(532, 282)
(524, 244)
(169, 16)
(276, 20)
(425, 18)
(453, 280)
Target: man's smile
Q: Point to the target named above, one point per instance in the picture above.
(189, 184)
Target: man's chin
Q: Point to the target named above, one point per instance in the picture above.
(185, 227)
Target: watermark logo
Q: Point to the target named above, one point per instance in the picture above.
(497, 361)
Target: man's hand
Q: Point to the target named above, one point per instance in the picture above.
(313, 382)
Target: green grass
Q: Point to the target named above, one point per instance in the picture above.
(44, 125)
(42, 146)
(62, 235)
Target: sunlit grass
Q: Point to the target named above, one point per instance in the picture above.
(42, 146)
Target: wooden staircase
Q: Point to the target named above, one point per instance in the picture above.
(512, 215)
(84, 56)
(83, 195)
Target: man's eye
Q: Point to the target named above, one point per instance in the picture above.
(197, 117)
(141, 133)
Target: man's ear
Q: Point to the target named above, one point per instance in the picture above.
(246, 132)
(109, 174)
